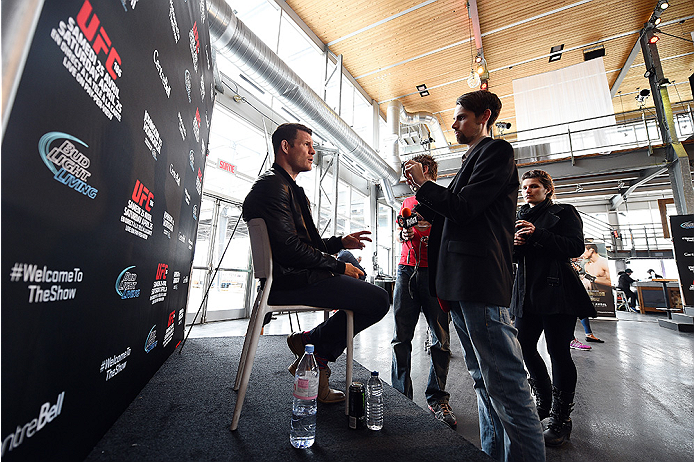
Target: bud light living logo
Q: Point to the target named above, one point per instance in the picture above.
(687, 225)
(68, 164)
(126, 284)
(151, 341)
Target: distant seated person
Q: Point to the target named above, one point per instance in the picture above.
(624, 284)
(348, 257)
(304, 270)
(653, 275)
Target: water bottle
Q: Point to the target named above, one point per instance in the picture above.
(374, 402)
(303, 430)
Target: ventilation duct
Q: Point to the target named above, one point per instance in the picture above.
(398, 114)
(232, 38)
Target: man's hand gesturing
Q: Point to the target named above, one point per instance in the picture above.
(354, 240)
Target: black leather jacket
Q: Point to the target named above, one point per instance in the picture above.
(300, 256)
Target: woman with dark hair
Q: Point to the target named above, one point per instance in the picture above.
(548, 296)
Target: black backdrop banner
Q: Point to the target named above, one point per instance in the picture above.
(103, 160)
(682, 231)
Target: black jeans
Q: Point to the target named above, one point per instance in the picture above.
(559, 331)
(368, 302)
(631, 296)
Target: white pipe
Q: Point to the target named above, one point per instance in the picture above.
(234, 39)
(395, 108)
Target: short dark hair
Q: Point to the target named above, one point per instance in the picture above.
(287, 132)
(427, 161)
(592, 247)
(479, 101)
(544, 178)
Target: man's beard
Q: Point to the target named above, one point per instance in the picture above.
(464, 139)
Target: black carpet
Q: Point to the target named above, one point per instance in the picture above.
(184, 414)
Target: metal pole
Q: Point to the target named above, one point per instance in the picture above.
(210, 257)
(676, 156)
(648, 136)
(336, 177)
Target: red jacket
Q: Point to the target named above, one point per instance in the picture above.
(416, 248)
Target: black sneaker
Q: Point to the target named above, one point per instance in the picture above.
(444, 413)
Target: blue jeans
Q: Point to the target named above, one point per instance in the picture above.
(410, 297)
(510, 429)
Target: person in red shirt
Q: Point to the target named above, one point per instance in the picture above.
(410, 297)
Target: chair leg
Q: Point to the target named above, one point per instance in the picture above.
(252, 347)
(291, 326)
(249, 330)
(350, 357)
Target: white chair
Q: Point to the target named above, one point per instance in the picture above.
(262, 268)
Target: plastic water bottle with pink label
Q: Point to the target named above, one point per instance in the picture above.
(303, 431)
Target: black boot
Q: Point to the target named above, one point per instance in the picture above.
(542, 390)
(559, 424)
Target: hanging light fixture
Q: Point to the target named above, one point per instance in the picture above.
(474, 80)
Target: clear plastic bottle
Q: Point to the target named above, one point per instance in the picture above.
(374, 402)
(303, 430)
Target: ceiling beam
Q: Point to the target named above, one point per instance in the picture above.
(645, 177)
(474, 16)
(627, 65)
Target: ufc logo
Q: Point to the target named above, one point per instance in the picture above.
(102, 42)
(162, 270)
(143, 195)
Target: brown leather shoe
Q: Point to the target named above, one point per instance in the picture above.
(326, 394)
(296, 345)
(292, 367)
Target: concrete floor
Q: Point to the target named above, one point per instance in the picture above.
(634, 398)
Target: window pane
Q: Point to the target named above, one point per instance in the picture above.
(237, 152)
(301, 56)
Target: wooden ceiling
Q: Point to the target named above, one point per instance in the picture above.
(391, 46)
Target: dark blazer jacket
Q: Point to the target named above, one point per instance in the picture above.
(300, 256)
(545, 282)
(471, 239)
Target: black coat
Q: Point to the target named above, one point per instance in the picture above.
(545, 281)
(625, 281)
(300, 257)
(471, 239)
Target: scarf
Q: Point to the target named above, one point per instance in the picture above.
(531, 214)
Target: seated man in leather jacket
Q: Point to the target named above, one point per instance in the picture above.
(304, 271)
